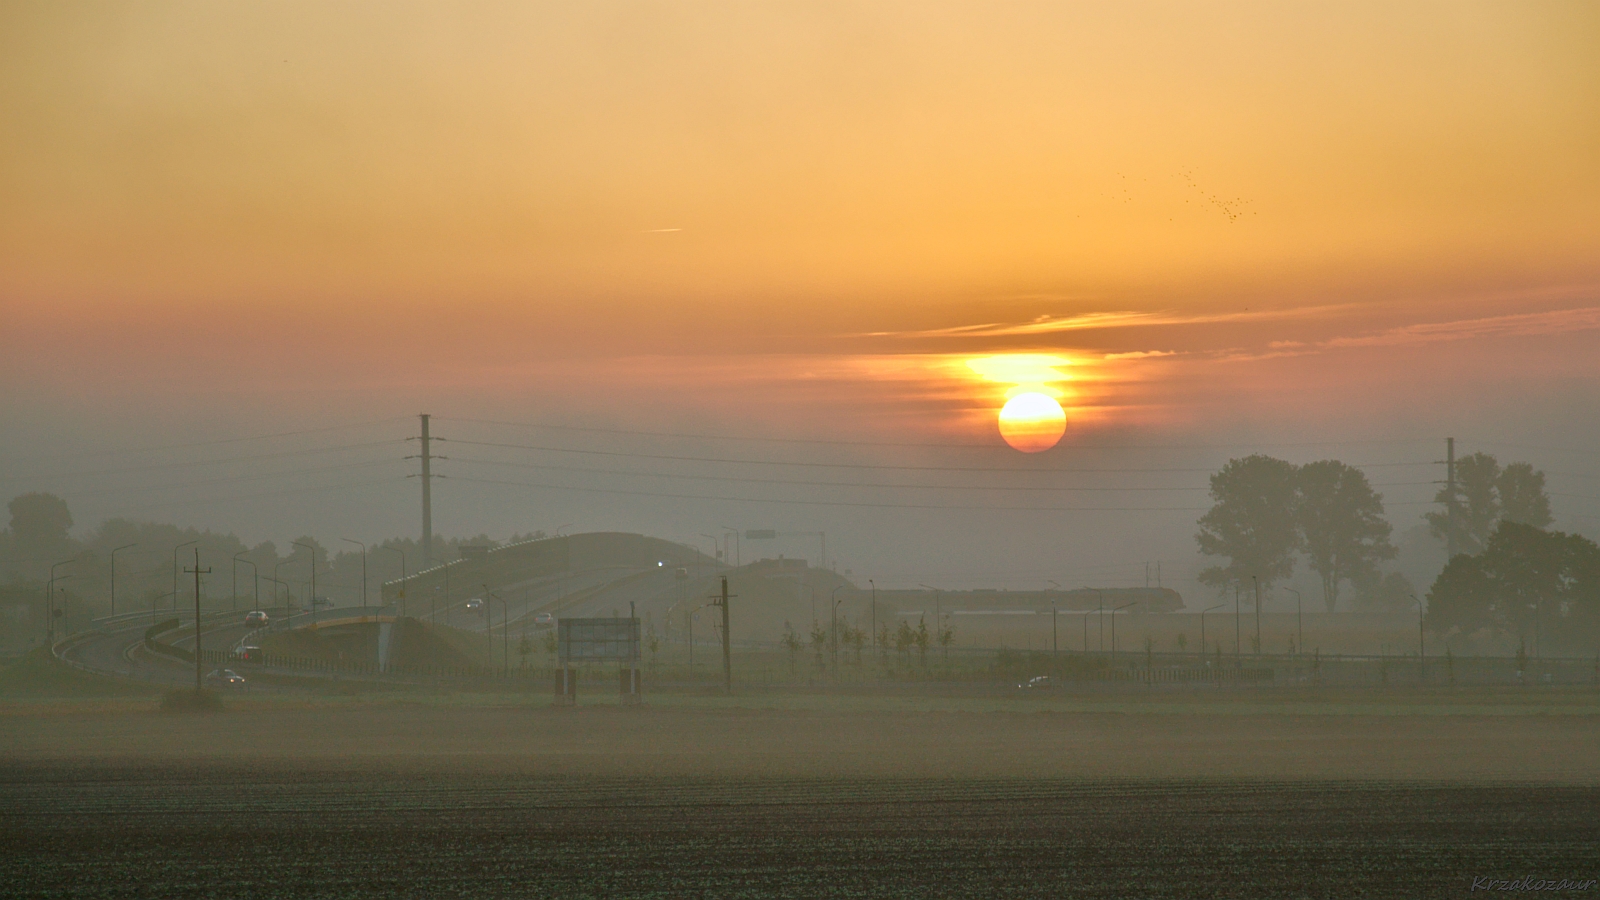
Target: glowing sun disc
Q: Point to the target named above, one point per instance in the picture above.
(1032, 422)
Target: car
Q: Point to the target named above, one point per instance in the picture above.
(321, 601)
(474, 603)
(255, 618)
(250, 653)
(1039, 681)
(225, 678)
(544, 620)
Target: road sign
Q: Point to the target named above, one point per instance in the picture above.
(597, 640)
(760, 534)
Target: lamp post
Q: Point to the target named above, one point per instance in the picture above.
(715, 553)
(114, 576)
(1299, 624)
(50, 602)
(1114, 612)
(255, 575)
(1422, 650)
(313, 551)
(1238, 640)
(834, 626)
(175, 573)
(738, 556)
(402, 577)
(1203, 626)
(1257, 583)
(363, 569)
(833, 599)
(1100, 616)
(1055, 650)
(936, 612)
(276, 583)
(505, 628)
(874, 611)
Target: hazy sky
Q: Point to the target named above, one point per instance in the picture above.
(1236, 226)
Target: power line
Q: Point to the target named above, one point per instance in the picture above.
(279, 493)
(838, 465)
(561, 487)
(232, 480)
(849, 484)
(963, 446)
(257, 437)
(208, 462)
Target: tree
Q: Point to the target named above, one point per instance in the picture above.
(904, 640)
(1391, 593)
(1522, 496)
(39, 530)
(947, 636)
(1536, 585)
(922, 640)
(819, 642)
(1251, 522)
(524, 647)
(791, 642)
(1341, 522)
(1486, 494)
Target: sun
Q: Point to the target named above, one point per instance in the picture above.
(1032, 422)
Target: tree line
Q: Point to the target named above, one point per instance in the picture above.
(1268, 513)
(40, 534)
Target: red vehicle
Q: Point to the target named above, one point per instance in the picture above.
(255, 618)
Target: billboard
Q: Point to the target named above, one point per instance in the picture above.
(597, 640)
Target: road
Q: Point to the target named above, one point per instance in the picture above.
(599, 592)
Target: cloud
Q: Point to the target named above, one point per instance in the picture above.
(1104, 320)
(1140, 354)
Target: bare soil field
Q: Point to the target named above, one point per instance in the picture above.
(420, 800)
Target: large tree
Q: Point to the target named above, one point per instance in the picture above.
(1251, 522)
(1485, 494)
(40, 526)
(1532, 584)
(1522, 496)
(1341, 522)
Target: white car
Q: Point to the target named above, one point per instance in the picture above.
(544, 620)
(225, 678)
(475, 603)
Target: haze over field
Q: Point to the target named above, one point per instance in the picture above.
(1204, 230)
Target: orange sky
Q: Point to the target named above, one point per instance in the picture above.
(388, 195)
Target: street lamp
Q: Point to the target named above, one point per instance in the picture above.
(1422, 650)
(874, 611)
(505, 628)
(715, 553)
(114, 576)
(832, 598)
(1055, 651)
(50, 602)
(313, 551)
(1203, 626)
(402, 577)
(363, 569)
(1257, 583)
(834, 624)
(175, 573)
(1299, 623)
(1100, 617)
(255, 576)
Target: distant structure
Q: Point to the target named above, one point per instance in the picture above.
(1143, 599)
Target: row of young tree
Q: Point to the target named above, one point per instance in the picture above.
(1267, 513)
(40, 537)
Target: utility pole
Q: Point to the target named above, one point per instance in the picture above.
(114, 575)
(426, 455)
(197, 573)
(1451, 516)
(727, 647)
